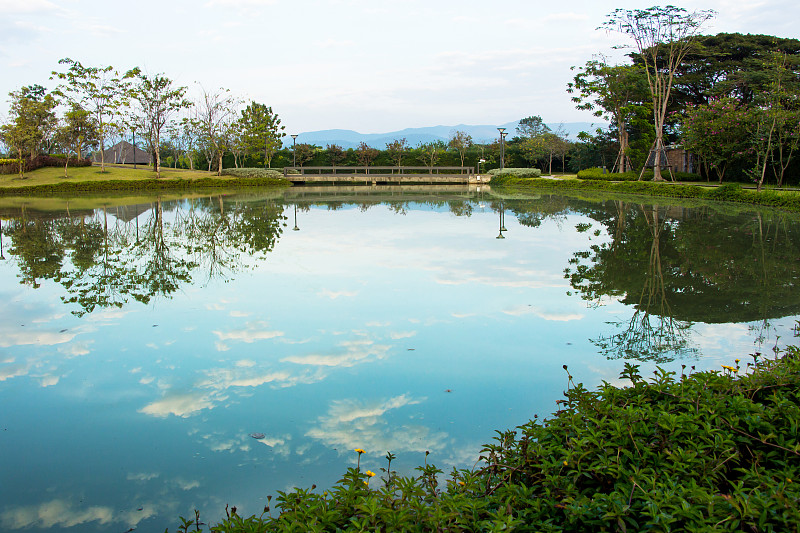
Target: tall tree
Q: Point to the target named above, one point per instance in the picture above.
(613, 93)
(396, 150)
(335, 154)
(77, 133)
(216, 113)
(662, 36)
(365, 154)
(102, 91)
(430, 152)
(530, 127)
(460, 141)
(158, 101)
(262, 131)
(31, 120)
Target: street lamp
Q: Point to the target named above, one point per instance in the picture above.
(503, 147)
(134, 148)
(294, 151)
(479, 164)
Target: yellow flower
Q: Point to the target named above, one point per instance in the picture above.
(359, 450)
(788, 480)
(566, 463)
(461, 483)
(370, 473)
(728, 367)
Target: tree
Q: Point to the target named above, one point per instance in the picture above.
(77, 134)
(396, 150)
(216, 113)
(335, 154)
(662, 36)
(717, 133)
(614, 93)
(158, 101)
(32, 118)
(460, 141)
(303, 153)
(531, 127)
(100, 90)
(365, 154)
(261, 131)
(430, 152)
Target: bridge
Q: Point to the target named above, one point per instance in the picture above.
(381, 175)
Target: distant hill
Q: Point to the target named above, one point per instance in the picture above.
(480, 134)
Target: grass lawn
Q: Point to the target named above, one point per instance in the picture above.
(55, 175)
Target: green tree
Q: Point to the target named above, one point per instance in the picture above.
(396, 150)
(77, 134)
(216, 115)
(460, 141)
(531, 127)
(158, 101)
(614, 93)
(262, 131)
(717, 133)
(303, 153)
(662, 36)
(430, 152)
(365, 154)
(335, 154)
(102, 91)
(31, 119)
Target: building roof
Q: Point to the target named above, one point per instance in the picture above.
(122, 153)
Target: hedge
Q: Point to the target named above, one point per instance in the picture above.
(252, 173)
(598, 174)
(11, 166)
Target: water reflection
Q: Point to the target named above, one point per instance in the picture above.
(676, 266)
(139, 254)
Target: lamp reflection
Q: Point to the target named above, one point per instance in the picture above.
(295, 228)
(502, 212)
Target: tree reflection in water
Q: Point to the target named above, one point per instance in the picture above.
(105, 260)
(677, 266)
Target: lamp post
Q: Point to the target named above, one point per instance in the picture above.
(294, 151)
(502, 147)
(479, 165)
(2, 257)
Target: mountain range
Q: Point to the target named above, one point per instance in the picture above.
(414, 136)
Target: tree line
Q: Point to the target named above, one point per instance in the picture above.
(103, 105)
(731, 100)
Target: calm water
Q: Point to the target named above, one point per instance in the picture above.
(162, 355)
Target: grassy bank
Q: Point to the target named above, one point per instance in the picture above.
(51, 180)
(696, 452)
(731, 192)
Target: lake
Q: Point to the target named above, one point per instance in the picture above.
(165, 354)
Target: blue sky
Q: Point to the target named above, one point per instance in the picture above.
(367, 65)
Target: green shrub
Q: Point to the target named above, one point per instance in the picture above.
(597, 174)
(699, 452)
(516, 172)
(251, 173)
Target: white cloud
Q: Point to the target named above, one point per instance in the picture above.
(16, 7)
(333, 295)
(353, 424)
(254, 331)
(355, 352)
(76, 349)
(546, 315)
(397, 335)
(182, 405)
(49, 381)
(142, 476)
(14, 370)
(54, 513)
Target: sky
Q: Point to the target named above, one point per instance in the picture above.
(372, 66)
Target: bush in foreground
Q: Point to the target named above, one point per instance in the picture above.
(695, 452)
